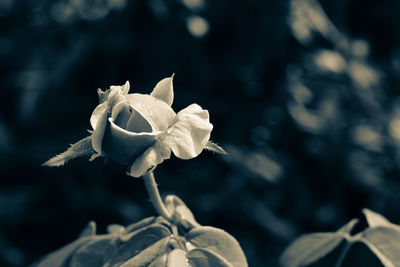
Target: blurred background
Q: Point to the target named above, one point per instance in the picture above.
(304, 95)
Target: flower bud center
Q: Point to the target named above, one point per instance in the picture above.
(131, 120)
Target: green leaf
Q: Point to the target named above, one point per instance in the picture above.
(140, 224)
(116, 229)
(218, 241)
(180, 212)
(137, 242)
(311, 247)
(81, 148)
(89, 230)
(146, 223)
(384, 242)
(60, 258)
(382, 238)
(346, 229)
(202, 257)
(375, 219)
(148, 255)
(95, 252)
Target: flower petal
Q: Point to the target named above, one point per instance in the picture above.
(99, 122)
(150, 159)
(190, 133)
(113, 99)
(159, 114)
(124, 146)
(137, 123)
(98, 113)
(164, 90)
(122, 118)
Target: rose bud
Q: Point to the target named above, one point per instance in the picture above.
(141, 130)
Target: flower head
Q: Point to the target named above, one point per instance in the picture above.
(141, 130)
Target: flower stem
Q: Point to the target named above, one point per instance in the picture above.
(155, 197)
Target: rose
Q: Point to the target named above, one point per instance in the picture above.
(141, 130)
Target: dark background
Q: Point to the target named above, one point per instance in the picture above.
(303, 95)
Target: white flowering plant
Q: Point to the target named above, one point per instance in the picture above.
(140, 131)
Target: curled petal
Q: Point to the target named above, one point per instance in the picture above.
(153, 156)
(124, 146)
(137, 123)
(122, 118)
(158, 113)
(130, 119)
(190, 133)
(97, 114)
(164, 90)
(99, 121)
(114, 99)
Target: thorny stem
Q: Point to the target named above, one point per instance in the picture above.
(155, 197)
(342, 255)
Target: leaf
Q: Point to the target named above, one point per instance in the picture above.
(89, 230)
(180, 212)
(95, 252)
(384, 242)
(60, 257)
(311, 247)
(375, 219)
(115, 229)
(146, 223)
(141, 224)
(137, 242)
(177, 258)
(211, 146)
(161, 261)
(218, 241)
(81, 148)
(346, 229)
(382, 238)
(202, 257)
(148, 255)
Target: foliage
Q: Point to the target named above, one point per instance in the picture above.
(381, 236)
(152, 242)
